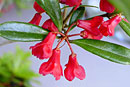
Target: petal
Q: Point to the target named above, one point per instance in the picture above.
(38, 8)
(79, 72)
(36, 19)
(57, 71)
(69, 73)
(106, 6)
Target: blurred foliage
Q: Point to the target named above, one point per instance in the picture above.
(15, 69)
(6, 5)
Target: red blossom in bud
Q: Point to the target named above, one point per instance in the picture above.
(72, 3)
(106, 6)
(48, 24)
(53, 65)
(63, 1)
(91, 26)
(38, 8)
(107, 27)
(87, 35)
(73, 69)
(43, 50)
(36, 19)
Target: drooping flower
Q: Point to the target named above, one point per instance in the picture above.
(43, 50)
(48, 24)
(87, 35)
(53, 65)
(91, 26)
(36, 19)
(73, 69)
(106, 6)
(38, 8)
(72, 3)
(107, 27)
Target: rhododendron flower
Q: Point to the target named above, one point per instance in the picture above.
(87, 35)
(36, 19)
(38, 8)
(73, 69)
(106, 6)
(48, 24)
(91, 25)
(107, 27)
(53, 65)
(43, 50)
(72, 3)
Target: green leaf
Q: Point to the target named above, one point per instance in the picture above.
(24, 32)
(52, 8)
(106, 50)
(122, 5)
(125, 26)
(78, 14)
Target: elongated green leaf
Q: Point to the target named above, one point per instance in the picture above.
(122, 5)
(23, 32)
(52, 8)
(125, 26)
(109, 51)
(78, 14)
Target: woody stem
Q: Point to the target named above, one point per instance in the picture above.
(69, 46)
(67, 18)
(70, 28)
(74, 35)
(57, 47)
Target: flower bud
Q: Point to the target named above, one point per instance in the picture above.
(48, 24)
(87, 35)
(91, 25)
(107, 27)
(38, 8)
(53, 65)
(106, 6)
(36, 19)
(73, 69)
(43, 50)
(72, 3)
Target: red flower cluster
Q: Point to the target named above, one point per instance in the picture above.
(37, 17)
(94, 28)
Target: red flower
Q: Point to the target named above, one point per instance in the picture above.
(91, 26)
(38, 8)
(53, 66)
(72, 3)
(48, 24)
(107, 27)
(73, 69)
(43, 50)
(36, 19)
(106, 6)
(87, 35)
(63, 1)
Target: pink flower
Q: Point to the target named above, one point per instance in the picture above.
(48, 24)
(107, 27)
(36, 19)
(73, 69)
(38, 8)
(72, 3)
(87, 35)
(43, 50)
(106, 6)
(53, 65)
(91, 26)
